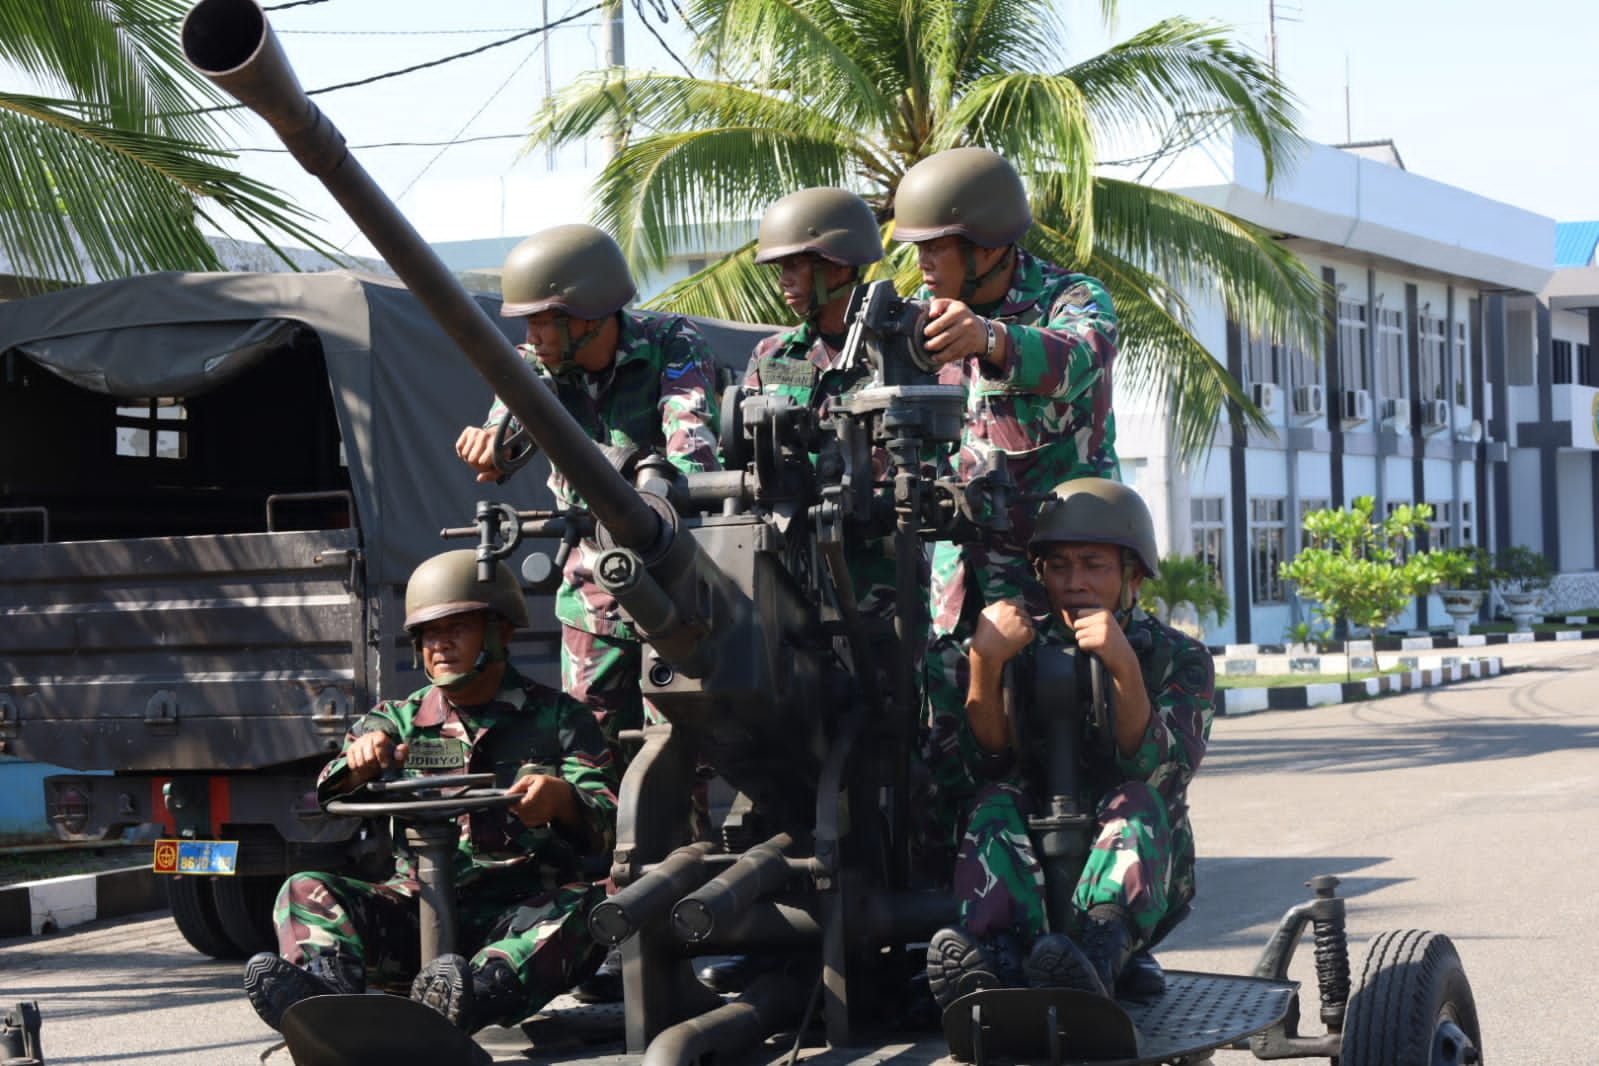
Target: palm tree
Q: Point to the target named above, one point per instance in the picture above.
(117, 160)
(1186, 580)
(853, 92)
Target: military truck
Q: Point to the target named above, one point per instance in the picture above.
(215, 486)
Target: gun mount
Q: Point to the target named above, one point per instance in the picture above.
(759, 658)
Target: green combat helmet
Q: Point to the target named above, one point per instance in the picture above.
(968, 192)
(834, 224)
(1095, 510)
(576, 269)
(446, 585)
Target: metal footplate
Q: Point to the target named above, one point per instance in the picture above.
(1065, 1027)
(360, 1030)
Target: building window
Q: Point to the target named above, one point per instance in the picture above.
(1441, 527)
(1267, 534)
(1587, 373)
(153, 429)
(1261, 362)
(1391, 353)
(1467, 534)
(1560, 361)
(1352, 344)
(1209, 532)
(1459, 356)
(1430, 364)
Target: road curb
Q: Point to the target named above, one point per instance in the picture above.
(35, 908)
(1236, 702)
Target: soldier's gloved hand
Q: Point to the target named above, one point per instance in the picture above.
(475, 446)
(371, 754)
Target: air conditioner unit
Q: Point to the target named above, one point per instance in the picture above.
(1310, 401)
(1396, 415)
(1356, 408)
(1468, 432)
(1265, 395)
(1435, 415)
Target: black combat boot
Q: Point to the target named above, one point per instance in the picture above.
(1056, 962)
(1141, 979)
(274, 984)
(1107, 941)
(445, 984)
(604, 985)
(497, 996)
(958, 964)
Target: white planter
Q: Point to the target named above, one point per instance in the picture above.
(1524, 608)
(1462, 605)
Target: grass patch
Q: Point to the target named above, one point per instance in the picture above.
(1292, 680)
(17, 867)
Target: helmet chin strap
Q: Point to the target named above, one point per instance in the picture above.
(1127, 598)
(973, 280)
(493, 651)
(570, 349)
(821, 295)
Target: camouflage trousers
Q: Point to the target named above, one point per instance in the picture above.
(948, 749)
(999, 882)
(544, 938)
(603, 672)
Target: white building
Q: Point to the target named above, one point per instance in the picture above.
(1457, 371)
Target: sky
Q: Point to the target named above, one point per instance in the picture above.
(1502, 101)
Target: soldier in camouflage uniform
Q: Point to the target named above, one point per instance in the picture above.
(521, 903)
(1033, 345)
(634, 382)
(819, 239)
(1092, 547)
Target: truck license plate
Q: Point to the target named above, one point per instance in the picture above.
(196, 857)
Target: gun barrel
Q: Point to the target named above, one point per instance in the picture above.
(231, 43)
(760, 870)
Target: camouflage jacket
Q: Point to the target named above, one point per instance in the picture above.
(1180, 677)
(659, 395)
(800, 364)
(528, 727)
(1048, 410)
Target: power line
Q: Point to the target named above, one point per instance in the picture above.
(401, 33)
(660, 10)
(400, 144)
(574, 16)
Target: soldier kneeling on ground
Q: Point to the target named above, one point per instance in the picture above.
(1091, 549)
(521, 901)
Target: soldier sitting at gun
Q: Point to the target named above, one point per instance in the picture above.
(521, 899)
(1036, 905)
(632, 381)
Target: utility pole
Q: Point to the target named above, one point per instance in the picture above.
(1271, 33)
(615, 58)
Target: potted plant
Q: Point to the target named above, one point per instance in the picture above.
(1464, 577)
(1186, 581)
(1522, 577)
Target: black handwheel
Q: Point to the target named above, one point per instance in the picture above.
(1413, 1006)
(512, 448)
(194, 910)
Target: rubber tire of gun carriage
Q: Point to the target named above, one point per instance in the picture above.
(1413, 1006)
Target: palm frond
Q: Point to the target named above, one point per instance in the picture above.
(1206, 252)
(733, 287)
(1179, 68)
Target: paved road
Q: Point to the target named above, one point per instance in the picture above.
(1471, 810)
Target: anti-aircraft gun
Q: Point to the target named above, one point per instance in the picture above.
(758, 657)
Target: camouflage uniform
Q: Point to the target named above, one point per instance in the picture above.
(1143, 853)
(658, 395)
(1049, 411)
(521, 894)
